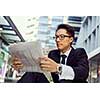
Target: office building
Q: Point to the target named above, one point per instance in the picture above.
(46, 31)
(76, 22)
(89, 38)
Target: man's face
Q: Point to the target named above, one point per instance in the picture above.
(62, 41)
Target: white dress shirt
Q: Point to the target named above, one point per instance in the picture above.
(67, 71)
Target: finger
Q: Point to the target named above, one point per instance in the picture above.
(44, 58)
(17, 63)
(17, 66)
(44, 64)
(45, 69)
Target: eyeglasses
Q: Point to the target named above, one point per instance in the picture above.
(61, 37)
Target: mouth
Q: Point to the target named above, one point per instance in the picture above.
(58, 44)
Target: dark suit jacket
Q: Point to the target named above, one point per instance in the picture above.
(33, 77)
(78, 60)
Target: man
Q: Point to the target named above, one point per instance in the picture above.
(75, 68)
(66, 64)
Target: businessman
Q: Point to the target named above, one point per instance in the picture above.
(66, 64)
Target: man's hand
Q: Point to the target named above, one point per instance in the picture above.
(17, 64)
(48, 64)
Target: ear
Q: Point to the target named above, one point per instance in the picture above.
(71, 39)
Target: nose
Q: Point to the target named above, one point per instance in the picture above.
(57, 39)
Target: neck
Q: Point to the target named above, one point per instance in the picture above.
(66, 49)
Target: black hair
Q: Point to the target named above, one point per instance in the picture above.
(68, 28)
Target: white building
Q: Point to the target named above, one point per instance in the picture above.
(27, 26)
(89, 38)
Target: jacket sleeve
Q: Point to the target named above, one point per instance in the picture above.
(81, 69)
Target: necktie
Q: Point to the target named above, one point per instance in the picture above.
(63, 59)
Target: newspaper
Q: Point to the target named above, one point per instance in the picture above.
(28, 52)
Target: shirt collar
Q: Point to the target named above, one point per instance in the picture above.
(66, 53)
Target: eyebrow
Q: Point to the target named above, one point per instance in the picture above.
(62, 34)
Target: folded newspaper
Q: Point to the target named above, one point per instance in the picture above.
(28, 52)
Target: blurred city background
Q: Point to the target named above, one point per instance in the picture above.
(14, 29)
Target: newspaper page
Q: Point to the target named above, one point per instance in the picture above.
(28, 52)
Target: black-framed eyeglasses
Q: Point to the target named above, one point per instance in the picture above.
(61, 37)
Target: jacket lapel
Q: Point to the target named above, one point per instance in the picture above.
(71, 57)
(57, 56)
